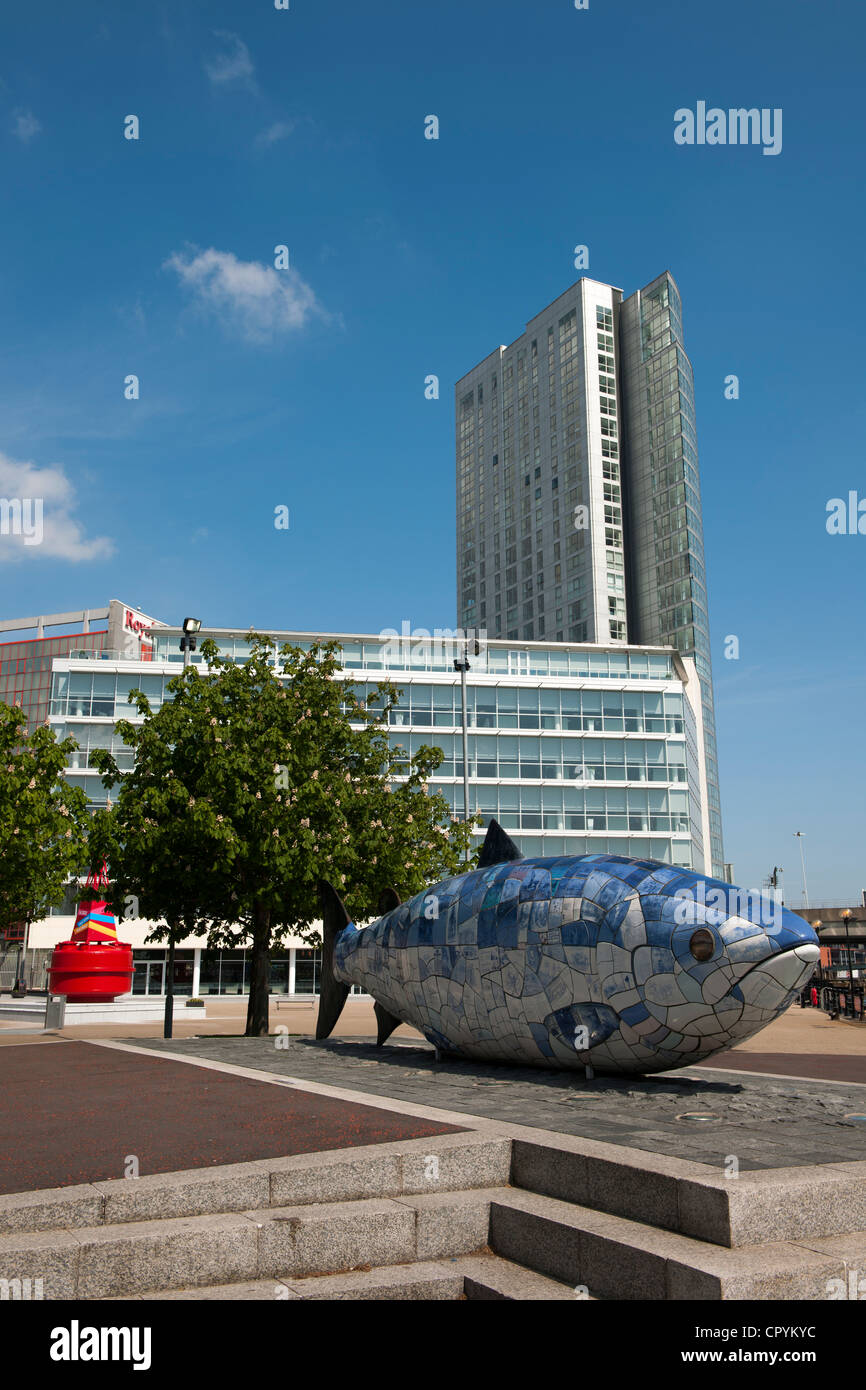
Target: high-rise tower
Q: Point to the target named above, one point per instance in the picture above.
(578, 499)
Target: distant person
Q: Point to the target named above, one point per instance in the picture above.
(814, 997)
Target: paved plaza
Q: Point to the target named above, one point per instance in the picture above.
(696, 1113)
(75, 1113)
(787, 1097)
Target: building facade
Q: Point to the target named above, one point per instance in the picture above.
(578, 496)
(574, 748)
(666, 575)
(26, 661)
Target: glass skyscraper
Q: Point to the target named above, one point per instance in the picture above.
(578, 500)
(667, 587)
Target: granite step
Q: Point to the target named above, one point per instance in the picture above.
(619, 1258)
(757, 1206)
(540, 1217)
(422, 1280)
(488, 1278)
(477, 1277)
(141, 1257)
(442, 1163)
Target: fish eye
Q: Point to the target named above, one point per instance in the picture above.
(702, 944)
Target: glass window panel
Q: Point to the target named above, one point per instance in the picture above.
(351, 657)
(372, 656)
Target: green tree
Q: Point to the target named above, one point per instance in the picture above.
(145, 880)
(251, 784)
(43, 821)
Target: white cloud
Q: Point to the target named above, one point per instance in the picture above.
(37, 516)
(257, 301)
(278, 131)
(25, 126)
(234, 65)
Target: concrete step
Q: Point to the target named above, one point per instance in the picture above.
(443, 1163)
(579, 1216)
(488, 1278)
(424, 1280)
(477, 1277)
(140, 1257)
(621, 1259)
(757, 1206)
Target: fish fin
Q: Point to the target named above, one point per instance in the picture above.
(332, 992)
(582, 1026)
(497, 847)
(386, 1023)
(389, 898)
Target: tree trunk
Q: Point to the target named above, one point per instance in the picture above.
(257, 1005)
(169, 990)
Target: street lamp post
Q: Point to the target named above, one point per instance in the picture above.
(461, 664)
(846, 918)
(191, 626)
(191, 629)
(799, 835)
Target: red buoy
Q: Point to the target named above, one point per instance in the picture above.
(94, 967)
(91, 972)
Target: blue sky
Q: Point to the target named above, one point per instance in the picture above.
(305, 388)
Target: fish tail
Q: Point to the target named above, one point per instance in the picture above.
(332, 992)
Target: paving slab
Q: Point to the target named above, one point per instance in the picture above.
(78, 1113)
(829, 1066)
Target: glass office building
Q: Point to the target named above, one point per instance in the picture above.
(25, 669)
(26, 660)
(664, 526)
(574, 748)
(578, 497)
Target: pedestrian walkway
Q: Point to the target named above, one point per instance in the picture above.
(78, 1113)
(826, 1066)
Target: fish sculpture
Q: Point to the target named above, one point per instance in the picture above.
(599, 962)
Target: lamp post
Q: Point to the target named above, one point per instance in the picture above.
(846, 918)
(817, 925)
(191, 626)
(461, 664)
(799, 836)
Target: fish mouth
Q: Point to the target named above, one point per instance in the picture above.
(770, 982)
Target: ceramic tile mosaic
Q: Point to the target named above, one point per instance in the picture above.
(630, 965)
